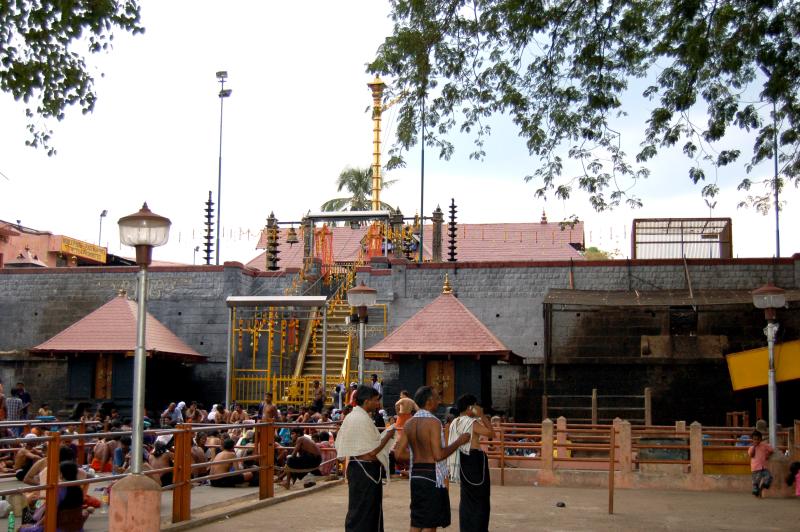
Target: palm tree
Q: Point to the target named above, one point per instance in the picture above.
(358, 182)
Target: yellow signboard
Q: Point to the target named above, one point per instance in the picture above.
(79, 248)
(749, 369)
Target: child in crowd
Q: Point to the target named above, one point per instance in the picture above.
(759, 453)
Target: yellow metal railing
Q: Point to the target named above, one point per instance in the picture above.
(251, 385)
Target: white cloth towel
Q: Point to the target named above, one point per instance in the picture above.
(358, 435)
(460, 425)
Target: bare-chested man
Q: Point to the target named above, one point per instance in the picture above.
(101, 458)
(238, 415)
(199, 454)
(266, 410)
(26, 457)
(430, 503)
(306, 456)
(217, 469)
(404, 408)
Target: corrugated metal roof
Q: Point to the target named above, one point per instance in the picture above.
(658, 298)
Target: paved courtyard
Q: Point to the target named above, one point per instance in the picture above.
(534, 508)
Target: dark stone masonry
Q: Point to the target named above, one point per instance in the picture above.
(36, 304)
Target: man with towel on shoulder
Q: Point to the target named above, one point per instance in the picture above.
(423, 433)
(359, 440)
(470, 466)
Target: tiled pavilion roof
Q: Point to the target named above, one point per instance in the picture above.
(444, 327)
(112, 329)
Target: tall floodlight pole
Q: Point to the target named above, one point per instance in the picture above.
(100, 234)
(422, 184)
(143, 230)
(770, 298)
(776, 183)
(222, 76)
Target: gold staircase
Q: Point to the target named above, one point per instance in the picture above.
(338, 342)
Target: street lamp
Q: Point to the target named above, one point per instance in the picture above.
(770, 297)
(143, 230)
(100, 236)
(222, 76)
(361, 297)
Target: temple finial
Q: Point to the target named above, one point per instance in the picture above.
(447, 289)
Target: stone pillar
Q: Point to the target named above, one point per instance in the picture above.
(696, 455)
(135, 505)
(561, 437)
(396, 222)
(680, 426)
(547, 445)
(436, 244)
(625, 442)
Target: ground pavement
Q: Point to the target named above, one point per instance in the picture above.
(521, 509)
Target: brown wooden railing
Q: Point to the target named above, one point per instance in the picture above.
(263, 453)
(697, 450)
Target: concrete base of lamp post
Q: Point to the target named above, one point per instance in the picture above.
(135, 505)
(778, 466)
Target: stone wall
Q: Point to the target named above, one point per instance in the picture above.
(36, 304)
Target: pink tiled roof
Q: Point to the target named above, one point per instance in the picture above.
(443, 327)
(112, 329)
(475, 243)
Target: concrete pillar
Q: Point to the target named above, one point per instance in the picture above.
(696, 453)
(561, 437)
(680, 426)
(625, 442)
(778, 466)
(436, 245)
(648, 406)
(547, 445)
(135, 505)
(594, 406)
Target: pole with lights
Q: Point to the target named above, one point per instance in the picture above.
(100, 235)
(222, 76)
(360, 297)
(142, 230)
(770, 298)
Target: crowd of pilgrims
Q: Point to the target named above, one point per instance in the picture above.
(299, 451)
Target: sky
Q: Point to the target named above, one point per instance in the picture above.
(296, 118)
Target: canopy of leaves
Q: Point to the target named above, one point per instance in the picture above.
(42, 49)
(358, 183)
(560, 70)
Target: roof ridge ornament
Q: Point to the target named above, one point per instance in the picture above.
(447, 289)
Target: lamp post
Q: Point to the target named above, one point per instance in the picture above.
(100, 235)
(361, 297)
(142, 230)
(222, 76)
(770, 298)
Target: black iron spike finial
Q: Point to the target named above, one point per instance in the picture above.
(209, 236)
(452, 235)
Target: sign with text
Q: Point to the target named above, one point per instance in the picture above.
(79, 248)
